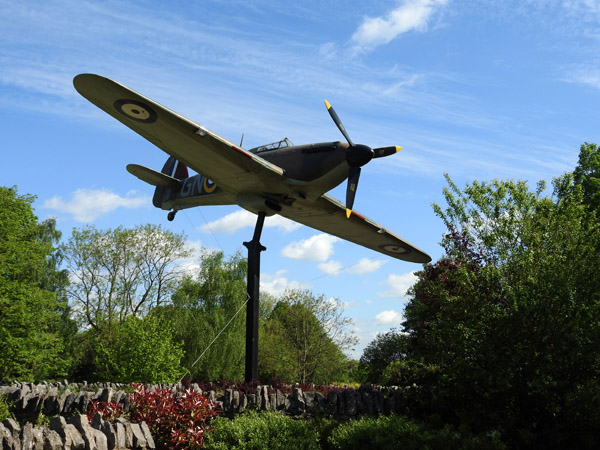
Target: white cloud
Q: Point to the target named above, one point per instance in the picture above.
(242, 219)
(388, 318)
(409, 15)
(366, 265)
(316, 248)
(86, 205)
(398, 284)
(331, 267)
(276, 284)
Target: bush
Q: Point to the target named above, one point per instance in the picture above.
(5, 412)
(398, 432)
(177, 421)
(265, 430)
(142, 350)
(108, 410)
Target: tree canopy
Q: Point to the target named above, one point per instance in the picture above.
(304, 339)
(510, 315)
(31, 307)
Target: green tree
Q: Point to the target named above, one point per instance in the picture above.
(587, 174)
(201, 308)
(121, 272)
(381, 352)
(510, 314)
(141, 350)
(30, 310)
(304, 339)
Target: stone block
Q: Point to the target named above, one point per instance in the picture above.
(100, 440)
(126, 430)
(80, 422)
(97, 421)
(52, 440)
(350, 402)
(105, 395)
(332, 402)
(120, 435)
(148, 435)
(15, 433)
(26, 437)
(109, 432)
(139, 441)
(309, 400)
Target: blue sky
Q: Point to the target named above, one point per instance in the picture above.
(478, 89)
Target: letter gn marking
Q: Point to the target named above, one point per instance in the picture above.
(135, 110)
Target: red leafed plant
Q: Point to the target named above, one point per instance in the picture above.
(176, 420)
(108, 410)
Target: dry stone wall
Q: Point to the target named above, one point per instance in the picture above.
(66, 404)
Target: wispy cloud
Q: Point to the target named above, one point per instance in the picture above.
(389, 317)
(276, 284)
(331, 267)
(398, 285)
(366, 265)
(408, 16)
(241, 219)
(87, 205)
(316, 248)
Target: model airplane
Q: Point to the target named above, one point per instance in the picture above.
(279, 178)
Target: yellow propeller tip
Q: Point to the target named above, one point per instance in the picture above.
(398, 148)
(348, 213)
(327, 104)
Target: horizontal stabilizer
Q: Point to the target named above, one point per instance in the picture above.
(151, 176)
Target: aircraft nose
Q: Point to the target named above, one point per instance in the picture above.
(358, 155)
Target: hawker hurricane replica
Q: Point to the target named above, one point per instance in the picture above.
(279, 178)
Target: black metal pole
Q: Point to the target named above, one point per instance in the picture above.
(253, 288)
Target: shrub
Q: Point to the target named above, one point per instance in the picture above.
(108, 410)
(176, 420)
(398, 432)
(5, 408)
(264, 430)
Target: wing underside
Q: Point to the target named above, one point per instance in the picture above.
(328, 214)
(200, 149)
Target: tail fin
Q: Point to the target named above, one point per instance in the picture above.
(174, 169)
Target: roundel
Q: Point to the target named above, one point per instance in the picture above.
(135, 110)
(393, 249)
(208, 186)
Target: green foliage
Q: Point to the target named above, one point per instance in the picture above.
(585, 177)
(31, 312)
(141, 350)
(408, 372)
(265, 430)
(5, 408)
(510, 315)
(201, 307)
(303, 340)
(398, 432)
(384, 349)
(121, 272)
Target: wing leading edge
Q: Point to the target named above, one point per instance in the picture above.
(200, 149)
(329, 215)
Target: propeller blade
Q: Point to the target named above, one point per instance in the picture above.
(338, 122)
(385, 151)
(353, 177)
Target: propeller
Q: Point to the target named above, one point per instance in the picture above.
(357, 155)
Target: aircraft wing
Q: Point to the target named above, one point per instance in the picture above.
(329, 215)
(200, 149)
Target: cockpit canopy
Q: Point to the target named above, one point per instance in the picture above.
(285, 142)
